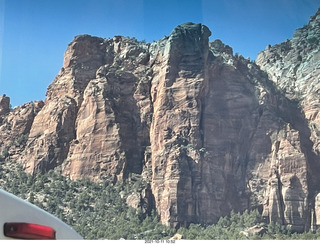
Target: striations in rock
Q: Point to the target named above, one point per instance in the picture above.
(15, 126)
(294, 67)
(209, 131)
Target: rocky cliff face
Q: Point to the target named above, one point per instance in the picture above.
(293, 66)
(15, 126)
(210, 132)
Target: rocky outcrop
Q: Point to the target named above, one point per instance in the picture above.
(254, 231)
(4, 105)
(114, 118)
(178, 83)
(286, 198)
(50, 135)
(294, 67)
(15, 127)
(207, 144)
(206, 130)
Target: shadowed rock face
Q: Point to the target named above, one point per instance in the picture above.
(4, 105)
(15, 126)
(210, 132)
(293, 66)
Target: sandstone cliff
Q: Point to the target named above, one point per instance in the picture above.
(15, 126)
(293, 66)
(209, 131)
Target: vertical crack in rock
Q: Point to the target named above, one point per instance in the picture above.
(293, 67)
(175, 131)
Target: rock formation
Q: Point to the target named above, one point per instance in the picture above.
(293, 66)
(4, 105)
(208, 131)
(15, 126)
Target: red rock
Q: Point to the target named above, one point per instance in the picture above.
(210, 132)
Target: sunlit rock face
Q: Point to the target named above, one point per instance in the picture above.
(207, 130)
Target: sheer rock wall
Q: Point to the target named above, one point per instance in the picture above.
(209, 131)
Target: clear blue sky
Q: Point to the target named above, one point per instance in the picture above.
(35, 33)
